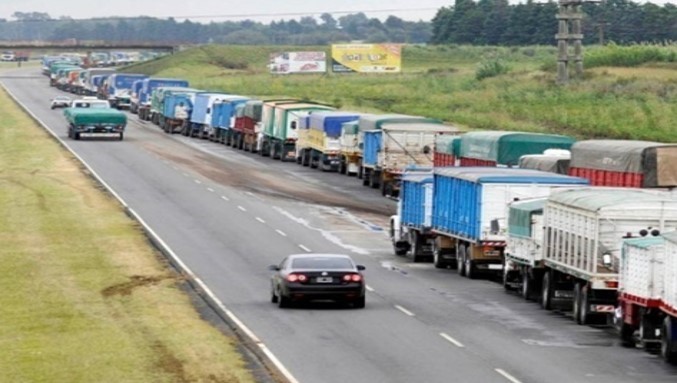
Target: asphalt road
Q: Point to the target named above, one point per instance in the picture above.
(229, 214)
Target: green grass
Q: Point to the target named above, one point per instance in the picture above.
(84, 297)
(440, 82)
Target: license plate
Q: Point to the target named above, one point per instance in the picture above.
(324, 279)
(291, 154)
(495, 267)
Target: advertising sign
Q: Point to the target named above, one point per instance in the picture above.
(298, 62)
(366, 58)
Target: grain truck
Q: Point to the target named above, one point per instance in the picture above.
(119, 89)
(97, 122)
(134, 96)
(160, 95)
(501, 148)
(280, 127)
(350, 159)
(446, 150)
(225, 118)
(469, 212)
(639, 164)
(203, 119)
(146, 92)
(583, 232)
(389, 150)
(176, 109)
(552, 160)
(319, 141)
(647, 293)
(248, 125)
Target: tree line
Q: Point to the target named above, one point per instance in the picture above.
(496, 22)
(476, 22)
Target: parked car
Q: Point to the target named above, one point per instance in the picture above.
(60, 102)
(309, 277)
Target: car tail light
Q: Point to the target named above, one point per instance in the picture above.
(352, 277)
(296, 278)
(611, 284)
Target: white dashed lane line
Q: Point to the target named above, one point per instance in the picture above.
(242, 208)
(369, 288)
(223, 197)
(198, 182)
(280, 232)
(452, 340)
(185, 174)
(405, 311)
(307, 250)
(504, 374)
(260, 219)
(210, 190)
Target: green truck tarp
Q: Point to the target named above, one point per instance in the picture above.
(252, 109)
(519, 217)
(506, 148)
(94, 117)
(448, 144)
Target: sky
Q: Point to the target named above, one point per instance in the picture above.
(223, 10)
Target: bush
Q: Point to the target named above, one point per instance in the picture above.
(491, 69)
(628, 56)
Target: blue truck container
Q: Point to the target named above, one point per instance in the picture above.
(331, 121)
(416, 199)
(120, 88)
(469, 211)
(151, 84)
(372, 146)
(224, 118)
(134, 96)
(174, 98)
(204, 118)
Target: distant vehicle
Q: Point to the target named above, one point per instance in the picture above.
(7, 56)
(60, 102)
(90, 102)
(309, 277)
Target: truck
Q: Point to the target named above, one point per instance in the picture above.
(89, 87)
(552, 160)
(98, 85)
(640, 164)
(176, 109)
(118, 92)
(97, 122)
(577, 265)
(469, 213)
(389, 150)
(134, 96)
(160, 94)
(61, 77)
(248, 125)
(502, 148)
(203, 118)
(72, 81)
(352, 138)
(146, 92)
(225, 119)
(280, 133)
(446, 150)
(318, 143)
(237, 139)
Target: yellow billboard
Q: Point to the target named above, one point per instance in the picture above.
(366, 58)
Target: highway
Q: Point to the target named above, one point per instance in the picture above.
(229, 214)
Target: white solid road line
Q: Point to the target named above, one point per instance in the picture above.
(242, 208)
(280, 232)
(369, 288)
(223, 197)
(307, 250)
(507, 376)
(452, 340)
(260, 219)
(405, 311)
(210, 190)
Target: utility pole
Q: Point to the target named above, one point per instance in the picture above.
(570, 34)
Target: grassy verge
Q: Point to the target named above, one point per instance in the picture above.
(442, 82)
(84, 298)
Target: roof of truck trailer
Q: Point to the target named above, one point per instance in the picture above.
(508, 175)
(420, 175)
(644, 242)
(597, 198)
(301, 105)
(671, 236)
(415, 126)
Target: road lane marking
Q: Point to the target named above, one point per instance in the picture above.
(280, 232)
(260, 220)
(511, 378)
(198, 182)
(452, 340)
(241, 208)
(249, 194)
(185, 174)
(369, 288)
(223, 197)
(307, 250)
(405, 311)
(210, 190)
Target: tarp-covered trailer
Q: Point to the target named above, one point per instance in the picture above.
(225, 118)
(446, 150)
(639, 164)
(95, 122)
(147, 90)
(319, 143)
(553, 160)
(248, 124)
(177, 107)
(203, 119)
(500, 148)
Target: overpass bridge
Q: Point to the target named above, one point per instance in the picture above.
(86, 46)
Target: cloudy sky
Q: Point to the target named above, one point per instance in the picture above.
(220, 10)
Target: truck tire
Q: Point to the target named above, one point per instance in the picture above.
(366, 177)
(342, 166)
(416, 250)
(669, 340)
(626, 333)
(375, 180)
(469, 266)
(76, 136)
(546, 291)
(122, 136)
(527, 282)
(460, 259)
(578, 302)
(437, 259)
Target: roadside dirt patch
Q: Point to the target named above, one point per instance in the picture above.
(135, 281)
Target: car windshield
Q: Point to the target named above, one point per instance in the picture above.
(324, 263)
(98, 105)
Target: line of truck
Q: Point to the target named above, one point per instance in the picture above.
(575, 225)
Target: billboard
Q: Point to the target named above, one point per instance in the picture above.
(366, 58)
(298, 62)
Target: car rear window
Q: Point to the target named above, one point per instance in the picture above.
(324, 263)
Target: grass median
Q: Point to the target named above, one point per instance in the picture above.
(84, 297)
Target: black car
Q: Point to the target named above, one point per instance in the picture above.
(308, 277)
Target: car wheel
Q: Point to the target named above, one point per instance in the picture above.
(282, 301)
(360, 303)
(273, 297)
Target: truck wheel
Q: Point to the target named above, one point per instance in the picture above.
(76, 135)
(122, 136)
(366, 178)
(342, 166)
(360, 172)
(416, 248)
(375, 180)
(526, 285)
(437, 259)
(546, 291)
(469, 266)
(460, 260)
(578, 301)
(669, 340)
(627, 335)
